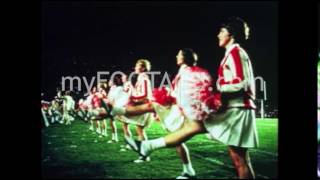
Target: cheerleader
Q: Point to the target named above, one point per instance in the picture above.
(141, 93)
(115, 86)
(127, 89)
(88, 103)
(55, 109)
(103, 98)
(235, 125)
(68, 107)
(119, 96)
(97, 112)
(44, 112)
(94, 113)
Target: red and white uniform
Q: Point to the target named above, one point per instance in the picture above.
(235, 74)
(236, 124)
(94, 100)
(141, 92)
(142, 88)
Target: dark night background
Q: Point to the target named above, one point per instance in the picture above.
(81, 38)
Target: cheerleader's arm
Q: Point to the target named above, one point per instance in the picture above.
(231, 88)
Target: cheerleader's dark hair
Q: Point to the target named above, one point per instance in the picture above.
(238, 28)
(189, 56)
(117, 80)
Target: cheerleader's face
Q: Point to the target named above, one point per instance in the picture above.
(110, 83)
(224, 37)
(180, 58)
(138, 68)
(94, 90)
(124, 78)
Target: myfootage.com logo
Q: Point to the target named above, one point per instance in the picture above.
(165, 81)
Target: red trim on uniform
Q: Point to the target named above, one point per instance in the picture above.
(246, 102)
(223, 82)
(220, 69)
(138, 97)
(145, 92)
(238, 65)
(237, 62)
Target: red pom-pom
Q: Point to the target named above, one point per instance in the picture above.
(214, 101)
(162, 96)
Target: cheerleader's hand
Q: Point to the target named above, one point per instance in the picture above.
(217, 104)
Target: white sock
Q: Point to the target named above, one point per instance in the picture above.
(105, 126)
(116, 136)
(187, 168)
(115, 131)
(52, 119)
(112, 136)
(150, 145)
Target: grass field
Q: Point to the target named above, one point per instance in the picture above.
(75, 152)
